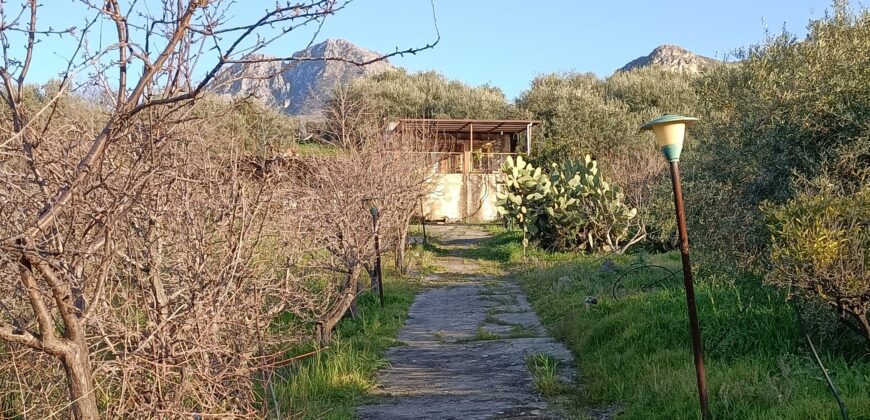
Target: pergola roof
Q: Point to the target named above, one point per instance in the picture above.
(464, 126)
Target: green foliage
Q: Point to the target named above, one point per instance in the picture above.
(331, 383)
(49, 98)
(658, 211)
(576, 117)
(545, 373)
(790, 111)
(587, 212)
(635, 353)
(789, 116)
(820, 247)
(583, 114)
(522, 202)
(652, 91)
(573, 207)
(399, 94)
(260, 130)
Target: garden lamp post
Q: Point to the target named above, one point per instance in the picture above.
(670, 130)
(374, 202)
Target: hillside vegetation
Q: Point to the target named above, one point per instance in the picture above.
(399, 94)
(776, 186)
(776, 180)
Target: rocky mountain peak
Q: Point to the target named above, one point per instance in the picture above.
(333, 47)
(674, 58)
(300, 87)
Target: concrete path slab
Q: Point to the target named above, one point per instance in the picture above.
(466, 347)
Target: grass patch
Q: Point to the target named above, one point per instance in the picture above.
(634, 350)
(492, 319)
(316, 149)
(545, 373)
(421, 257)
(330, 384)
(483, 335)
(505, 247)
(522, 331)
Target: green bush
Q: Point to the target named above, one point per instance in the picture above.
(573, 207)
(260, 131)
(582, 114)
(576, 118)
(652, 91)
(399, 94)
(820, 247)
(789, 110)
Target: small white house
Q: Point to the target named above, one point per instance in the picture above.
(468, 155)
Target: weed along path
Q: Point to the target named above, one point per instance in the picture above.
(473, 347)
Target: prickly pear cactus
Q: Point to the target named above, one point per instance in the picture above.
(572, 207)
(524, 187)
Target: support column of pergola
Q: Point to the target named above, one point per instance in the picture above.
(467, 165)
(529, 139)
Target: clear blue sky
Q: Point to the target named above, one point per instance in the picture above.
(507, 42)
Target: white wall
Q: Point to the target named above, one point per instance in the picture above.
(460, 197)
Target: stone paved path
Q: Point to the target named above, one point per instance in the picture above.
(466, 346)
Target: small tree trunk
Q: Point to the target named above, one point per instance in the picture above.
(323, 331)
(72, 349)
(373, 279)
(354, 309)
(865, 325)
(402, 246)
(79, 379)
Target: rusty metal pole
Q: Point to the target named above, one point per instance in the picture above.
(378, 272)
(423, 222)
(694, 326)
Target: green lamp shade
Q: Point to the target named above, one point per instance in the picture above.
(670, 131)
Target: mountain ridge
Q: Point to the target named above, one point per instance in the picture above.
(301, 85)
(674, 58)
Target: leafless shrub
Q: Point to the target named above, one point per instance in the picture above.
(376, 168)
(175, 261)
(638, 170)
(141, 261)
